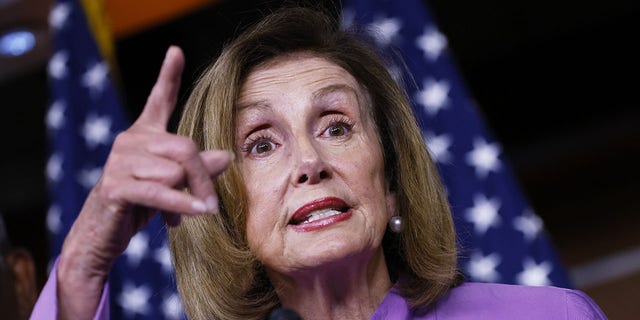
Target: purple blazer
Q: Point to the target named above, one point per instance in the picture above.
(468, 301)
(496, 302)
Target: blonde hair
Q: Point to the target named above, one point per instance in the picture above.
(216, 273)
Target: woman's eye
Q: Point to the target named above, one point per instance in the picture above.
(259, 145)
(336, 131)
(262, 147)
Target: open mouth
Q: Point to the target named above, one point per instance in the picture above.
(317, 215)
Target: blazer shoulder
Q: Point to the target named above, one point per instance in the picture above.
(501, 301)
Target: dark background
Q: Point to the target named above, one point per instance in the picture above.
(557, 82)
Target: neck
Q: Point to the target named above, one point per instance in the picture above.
(349, 289)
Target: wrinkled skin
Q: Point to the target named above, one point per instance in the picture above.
(304, 139)
(145, 172)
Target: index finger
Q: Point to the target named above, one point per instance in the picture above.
(164, 95)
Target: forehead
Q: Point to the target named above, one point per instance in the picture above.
(299, 70)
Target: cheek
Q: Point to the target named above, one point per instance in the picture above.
(371, 181)
(264, 194)
(260, 223)
(364, 173)
(370, 169)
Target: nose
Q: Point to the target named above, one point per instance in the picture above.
(310, 167)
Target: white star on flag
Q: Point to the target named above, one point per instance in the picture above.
(484, 213)
(431, 42)
(57, 66)
(484, 157)
(137, 248)
(134, 300)
(438, 146)
(54, 167)
(534, 274)
(163, 256)
(434, 95)
(172, 307)
(385, 30)
(529, 224)
(96, 130)
(58, 15)
(55, 115)
(483, 268)
(89, 177)
(95, 78)
(54, 219)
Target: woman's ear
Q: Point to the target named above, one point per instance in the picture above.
(21, 265)
(391, 204)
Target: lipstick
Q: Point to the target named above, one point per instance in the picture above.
(320, 213)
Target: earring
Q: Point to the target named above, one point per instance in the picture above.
(395, 224)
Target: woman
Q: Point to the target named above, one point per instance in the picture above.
(330, 207)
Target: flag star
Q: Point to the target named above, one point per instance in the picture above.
(57, 66)
(59, 14)
(483, 268)
(163, 257)
(96, 77)
(96, 130)
(484, 157)
(89, 177)
(434, 95)
(54, 167)
(172, 307)
(432, 43)
(137, 248)
(534, 274)
(529, 224)
(438, 146)
(134, 300)
(55, 116)
(54, 219)
(385, 30)
(484, 213)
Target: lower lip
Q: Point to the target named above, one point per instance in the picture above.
(322, 223)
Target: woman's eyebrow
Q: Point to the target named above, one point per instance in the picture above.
(260, 104)
(320, 93)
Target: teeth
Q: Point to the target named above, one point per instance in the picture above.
(317, 215)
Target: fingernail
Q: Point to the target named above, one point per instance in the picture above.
(232, 155)
(199, 206)
(212, 204)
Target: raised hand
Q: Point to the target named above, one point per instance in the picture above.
(146, 172)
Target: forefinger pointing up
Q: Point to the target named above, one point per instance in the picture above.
(164, 95)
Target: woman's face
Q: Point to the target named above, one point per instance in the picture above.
(313, 167)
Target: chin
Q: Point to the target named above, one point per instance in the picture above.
(332, 253)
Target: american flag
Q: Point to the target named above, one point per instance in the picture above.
(501, 238)
(83, 119)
